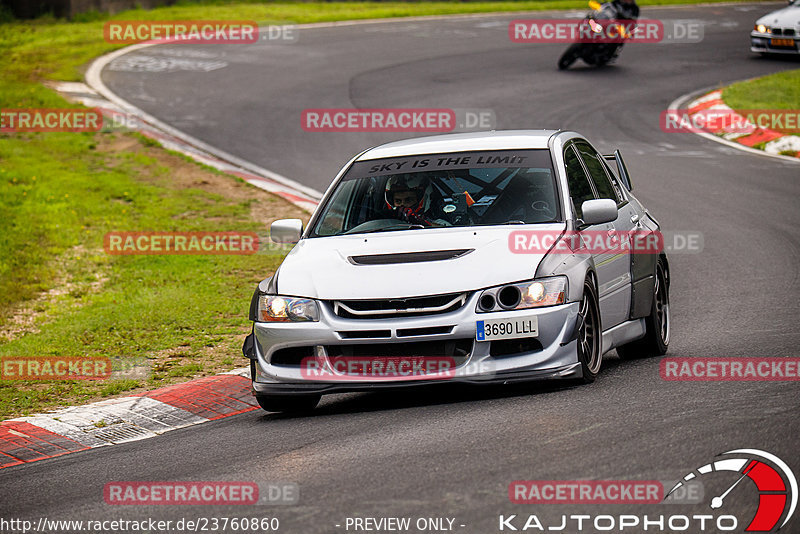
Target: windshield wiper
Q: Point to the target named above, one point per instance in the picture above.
(515, 222)
(389, 229)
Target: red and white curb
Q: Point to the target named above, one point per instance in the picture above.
(113, 421)
(747, 137)
(118, 114)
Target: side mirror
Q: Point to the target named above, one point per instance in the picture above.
(599, 211)
(286, 230)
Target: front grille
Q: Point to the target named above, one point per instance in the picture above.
(406, 307)
(784, 31)
(424, 331)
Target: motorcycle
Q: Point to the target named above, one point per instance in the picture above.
(604, 34)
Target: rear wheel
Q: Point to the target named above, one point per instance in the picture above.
(288, 403)
(589, 334)
(569, 56)
(658, 323)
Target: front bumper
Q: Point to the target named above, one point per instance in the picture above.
(762, 43)
(279, 349)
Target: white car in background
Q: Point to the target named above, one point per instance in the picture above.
(778, 32)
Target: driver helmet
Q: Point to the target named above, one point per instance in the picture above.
(401, 183)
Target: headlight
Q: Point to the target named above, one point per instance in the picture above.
(533, 294)
(274, 308)
(760, 28)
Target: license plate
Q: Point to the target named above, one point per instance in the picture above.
(781, 42)
(507, 328)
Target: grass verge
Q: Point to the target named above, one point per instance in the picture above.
(776, 91)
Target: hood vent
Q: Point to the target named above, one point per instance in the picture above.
(409, 257)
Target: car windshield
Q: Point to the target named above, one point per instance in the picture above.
(442, 190)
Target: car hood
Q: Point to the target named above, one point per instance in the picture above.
(788, 17)
(324, 267)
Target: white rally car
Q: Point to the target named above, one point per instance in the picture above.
(454, 258)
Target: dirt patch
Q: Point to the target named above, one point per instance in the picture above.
(24, 318)
(186, 174)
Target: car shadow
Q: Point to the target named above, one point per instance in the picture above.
(777, 58)
(441, 394)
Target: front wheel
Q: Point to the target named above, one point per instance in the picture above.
(658, 323)
(589, 334)
(569, 56)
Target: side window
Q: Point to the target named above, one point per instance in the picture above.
(593, 162)
(333, 220)
(579, 188)
(615, 182)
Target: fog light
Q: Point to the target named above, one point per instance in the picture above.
(487, 302)
(509, 297)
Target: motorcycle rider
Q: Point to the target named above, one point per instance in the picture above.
(602, 53)
(627, 9)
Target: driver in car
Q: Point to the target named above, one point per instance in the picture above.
(409, 199)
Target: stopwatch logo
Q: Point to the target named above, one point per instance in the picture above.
(777, 488)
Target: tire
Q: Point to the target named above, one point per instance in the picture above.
(658, 324)
(288, 403)
(284, 403)
(589, 334)
(569, 56)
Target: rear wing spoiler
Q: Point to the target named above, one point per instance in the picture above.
(622, 170)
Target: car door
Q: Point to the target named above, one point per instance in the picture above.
(581, 189)
(614, 267)
(643, 263)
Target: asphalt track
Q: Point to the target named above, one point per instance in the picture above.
(452, 452)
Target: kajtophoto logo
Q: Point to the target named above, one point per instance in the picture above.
(776, 484)
(772, 504)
